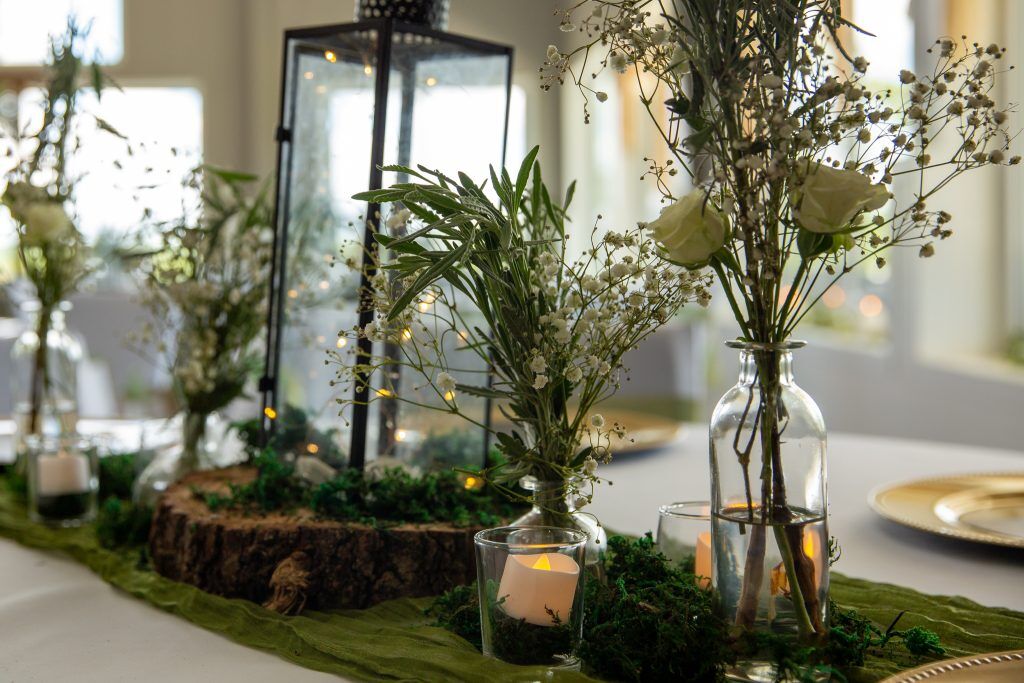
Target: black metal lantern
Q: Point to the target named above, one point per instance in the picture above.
(392, 88)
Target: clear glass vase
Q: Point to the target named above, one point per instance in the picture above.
(44, 376)
(552, 508)
(194, 451)
(768, 508)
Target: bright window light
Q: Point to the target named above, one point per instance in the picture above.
(26, 27)
(164, 127)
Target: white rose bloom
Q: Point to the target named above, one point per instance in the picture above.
(538, 364)
(831, 198)
(691, 230)
(45, 222)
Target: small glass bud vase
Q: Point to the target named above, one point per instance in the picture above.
(769, 524)
(530, 582)
(63, 479)
(552, 507)
(195, 451)
(44, 376)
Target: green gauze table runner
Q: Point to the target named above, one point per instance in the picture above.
(394, 641)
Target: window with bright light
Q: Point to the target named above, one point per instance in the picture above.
(26, 27)
(117, 179)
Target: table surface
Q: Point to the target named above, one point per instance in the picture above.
(62, 622)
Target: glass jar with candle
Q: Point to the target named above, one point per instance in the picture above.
(684, 537)
(63, 479)
(553, 506)
(531, 594)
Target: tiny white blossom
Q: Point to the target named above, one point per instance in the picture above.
(597, 420)
(540, 381)
(445, 382)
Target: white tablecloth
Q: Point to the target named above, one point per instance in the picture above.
(59, 622)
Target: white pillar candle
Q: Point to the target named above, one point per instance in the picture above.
(533, 584)
(61, 474)
(702, 563)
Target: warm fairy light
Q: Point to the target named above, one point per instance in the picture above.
(324, 284)
(341, 342)
(321, 89)
(870, 306)
(470, 482)
(834, 297)
(449, 395)
(400, 435)
(270, 413)
(423, 306)
(431, 81)
(407, 334)
(293, 294)
(312, 448)
(330, 56)
(308, 75)
(386, 393)
(542, 563)
(368, 70)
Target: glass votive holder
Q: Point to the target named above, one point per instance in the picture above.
(63, 479)
(531, 594)
(684, 537)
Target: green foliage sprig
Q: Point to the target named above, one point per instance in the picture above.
(481, 277)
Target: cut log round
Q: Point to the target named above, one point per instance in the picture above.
(288, 561)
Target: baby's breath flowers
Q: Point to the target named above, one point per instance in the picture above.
(206, 286)
(552, 328)
(792, 154)
(52, 253)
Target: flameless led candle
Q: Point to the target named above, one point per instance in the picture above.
(702, 563)
(62, 474)
(532, 584)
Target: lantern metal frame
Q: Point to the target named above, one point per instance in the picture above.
(385, 29)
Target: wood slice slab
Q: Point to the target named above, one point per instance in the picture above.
(294, 560)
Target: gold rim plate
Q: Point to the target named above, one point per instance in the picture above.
(984, 508)
(998, 667)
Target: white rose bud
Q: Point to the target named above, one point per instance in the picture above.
(691, 230)
(831, 198)
(45, 222)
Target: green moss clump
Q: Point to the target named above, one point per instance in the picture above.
(391, 497)
(117, 475)
(651, 621)
(458, 611)
(293, 433)
(122, 524)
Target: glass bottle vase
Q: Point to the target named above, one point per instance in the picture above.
(770, 548)
(44, 376)
(552, 508)
(193, 452)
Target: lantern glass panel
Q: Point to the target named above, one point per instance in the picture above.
(445, 108)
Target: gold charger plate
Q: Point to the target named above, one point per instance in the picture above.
(984, 508)
(998, 667)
